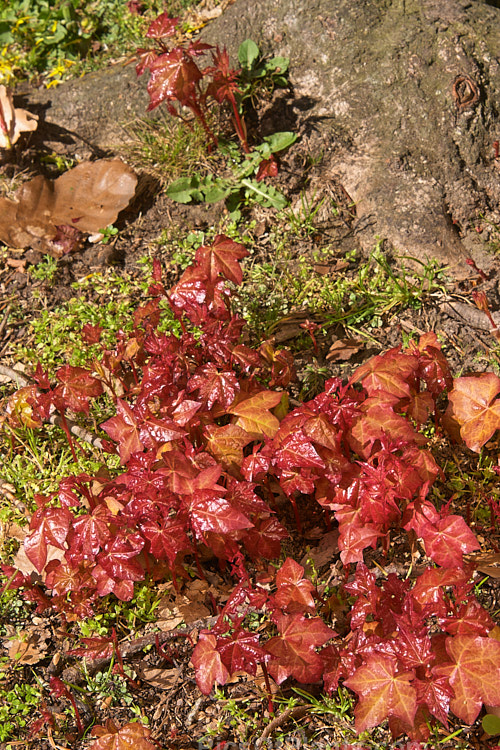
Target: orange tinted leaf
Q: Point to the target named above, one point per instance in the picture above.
(474, 674)
(226, 443)
(208, 664)
(132, 736)
(20, 407)
(382, 692)
(476, 408)
(388, 373)
(254, 415)
(294, 651)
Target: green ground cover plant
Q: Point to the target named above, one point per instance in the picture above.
(51, 40)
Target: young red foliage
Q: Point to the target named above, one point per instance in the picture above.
(476, 407)
(207, 448)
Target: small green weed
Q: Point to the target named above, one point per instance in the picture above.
(108, 233)
(52, 39)
(302, 219)
(56, 333)
(259, 75)
(124, 616)
(36, 464)
(45, 270)
(16, 708)
(242, 186)
(167, 149)
(364, 298)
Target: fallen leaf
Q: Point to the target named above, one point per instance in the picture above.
(17, 121)
(486, 562)
(86, 198)
(163, 679)
(343, 349)
(323, 553)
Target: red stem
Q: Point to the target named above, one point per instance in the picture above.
(270, 704)
(68, 435)
(240, 127)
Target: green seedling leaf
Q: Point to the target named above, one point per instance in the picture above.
(278, 64)
(491, 724)
(265, 194)
(214, 190)
(185, 190)
(248, 53)
(280, 141)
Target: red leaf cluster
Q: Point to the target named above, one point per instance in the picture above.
(207, 448)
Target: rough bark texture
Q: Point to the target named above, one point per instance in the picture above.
(410, 93)
(405, 92)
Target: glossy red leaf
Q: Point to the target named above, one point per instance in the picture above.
(124, 430)
(383, 692)
(294, 592)
(448, 540)
(174, 76)
(474, 674)
(77, 387)
(222, 258)
(162, 26)
(167, 538)
(211, 513)
(48, 526)
(214, 386)
(476, 407)
(296, 451)
(241, 651)
(264, 540)
(119, 558)
(208, 664)
(293, 652)
(91, 532)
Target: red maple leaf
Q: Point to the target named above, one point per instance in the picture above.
(77, 387)
(476, 408)
(174, 76)
(222, 258)
(47, 526)
(119, 558)
(162, 26)
(90, 533)
(383, 692)
(387, 373)
(124, 429)
(208, 664)
(293, 652)
(208, 512)
(167, 538)
(241, 651)
(214, 386)
(294, 592)
(447, 540)
(474, 674)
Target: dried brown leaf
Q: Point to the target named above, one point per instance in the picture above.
(87, 198)
(17, 121)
